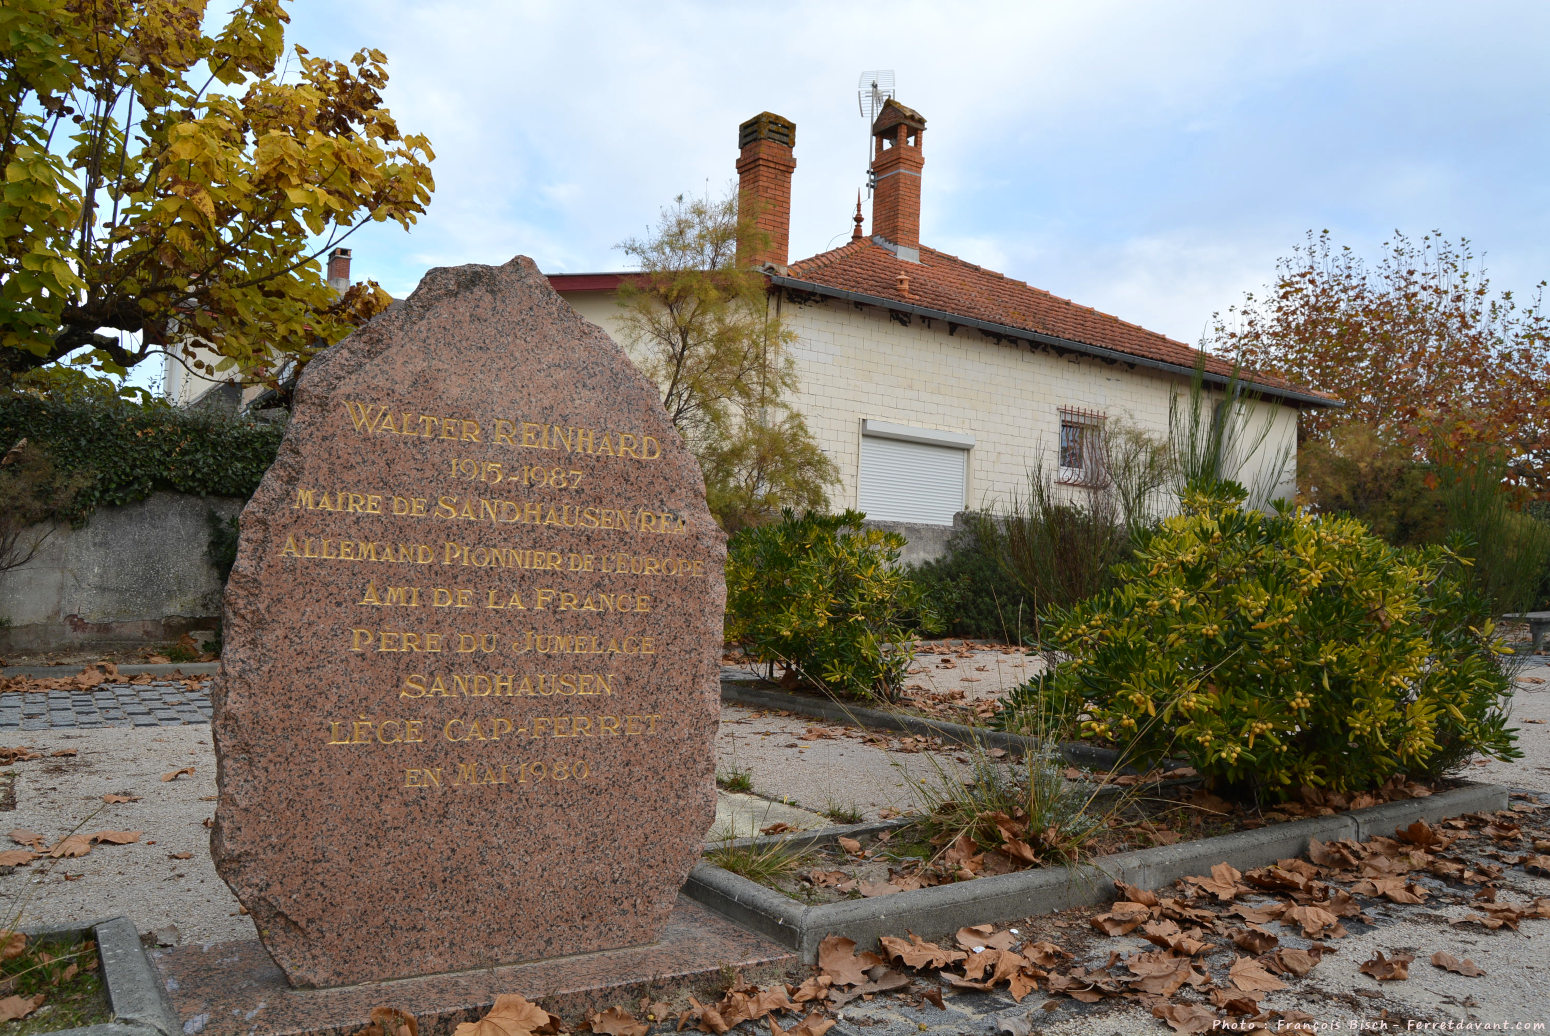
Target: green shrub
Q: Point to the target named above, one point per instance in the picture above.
(1510, 550)
(825, 598)
(1042, 707)
(1355, 472)
(126, 450)
(1059, 543)
(1281, 650)
(971, 587)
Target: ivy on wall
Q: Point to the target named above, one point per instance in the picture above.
(127, 450)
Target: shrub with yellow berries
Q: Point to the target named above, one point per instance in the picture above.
(1291, 649)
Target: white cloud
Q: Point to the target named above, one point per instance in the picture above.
(1151, 160)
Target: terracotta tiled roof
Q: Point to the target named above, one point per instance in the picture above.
(947, 284)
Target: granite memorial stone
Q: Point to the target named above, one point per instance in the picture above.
(469, 691)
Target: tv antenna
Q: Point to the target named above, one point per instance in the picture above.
(872, 90)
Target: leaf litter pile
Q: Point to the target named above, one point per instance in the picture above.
(95, 675)
(1219, 942)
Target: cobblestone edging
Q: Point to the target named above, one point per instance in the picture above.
(943, 909)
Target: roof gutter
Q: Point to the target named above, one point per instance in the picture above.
(1007, 331)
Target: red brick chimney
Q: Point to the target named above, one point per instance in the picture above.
(896, 164)
(339, 270)
(764, 167)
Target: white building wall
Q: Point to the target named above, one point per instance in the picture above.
(857, 362)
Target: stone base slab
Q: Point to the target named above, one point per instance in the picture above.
(229, 988)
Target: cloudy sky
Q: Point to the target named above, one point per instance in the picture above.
(1151, 160)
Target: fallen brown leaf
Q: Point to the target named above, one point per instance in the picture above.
(116, 837)
(1248, 975)
(1162, 973)
(510, 1015)
(812, 1025)
(189, 770)
(1255, 940)
(70, 846)
(22, 836)
(850, 845)
(114, 800)
(1315, 921)
(12, 945)
(1133, 894)
(838, 960)
(63, 753)
(1190, 1018)
(1448, 962)
(1290, 961)
(655, 1010)
(1045, 954)
(1393, 969)
(816, 987)
(390, 1021)
(615, 1021)
(1224, 883)
(1121, 918)
(14, 1007)
(917, 953)
(180, 856)
(17, 857)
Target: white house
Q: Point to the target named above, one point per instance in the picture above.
(935, 385)
(185, 386)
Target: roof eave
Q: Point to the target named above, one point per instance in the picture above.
(1009, 331)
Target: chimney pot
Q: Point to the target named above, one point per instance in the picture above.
(897, 160)
(764, 167)
(339, 270)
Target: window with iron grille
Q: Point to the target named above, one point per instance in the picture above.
(1081, 446)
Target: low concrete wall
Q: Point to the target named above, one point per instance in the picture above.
(925, 542)
(133, 575)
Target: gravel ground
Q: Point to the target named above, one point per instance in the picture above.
(827, 767)
(144, 879)
(1531, 711)
(820, 766)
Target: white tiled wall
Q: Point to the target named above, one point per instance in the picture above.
(857, 362)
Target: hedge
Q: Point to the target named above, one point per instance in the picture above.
(128, 450)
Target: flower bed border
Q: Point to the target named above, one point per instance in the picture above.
(942, 909)
(135, 995)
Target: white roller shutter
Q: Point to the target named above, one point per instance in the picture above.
(904, 480)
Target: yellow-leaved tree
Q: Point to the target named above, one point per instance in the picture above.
(165, 188)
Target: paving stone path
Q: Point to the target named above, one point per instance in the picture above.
(159, 704)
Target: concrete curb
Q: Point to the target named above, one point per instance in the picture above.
(943, 909)
(135, 995)
(807, 839)
(174, 668)
(749, 693)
